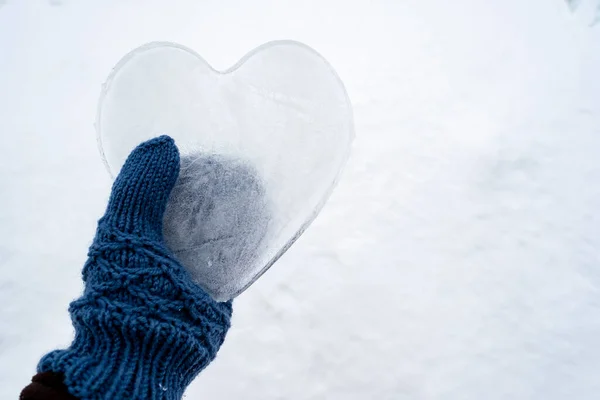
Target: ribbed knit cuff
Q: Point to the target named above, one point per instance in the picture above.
(116, 356)
(143, 329)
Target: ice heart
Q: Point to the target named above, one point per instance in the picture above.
(262, 147)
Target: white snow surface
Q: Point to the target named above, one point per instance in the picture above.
(459, 257)
(575, 5)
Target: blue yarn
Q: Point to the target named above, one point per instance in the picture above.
(143, 329)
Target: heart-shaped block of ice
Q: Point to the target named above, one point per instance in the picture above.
(262, 146)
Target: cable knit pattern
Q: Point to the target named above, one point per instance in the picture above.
(143, 329)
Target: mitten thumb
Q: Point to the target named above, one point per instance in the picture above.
(141, 191)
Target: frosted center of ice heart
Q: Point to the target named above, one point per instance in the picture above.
(262, 147)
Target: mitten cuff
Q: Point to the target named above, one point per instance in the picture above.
(128, 357)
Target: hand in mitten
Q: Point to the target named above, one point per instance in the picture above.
(143, 329)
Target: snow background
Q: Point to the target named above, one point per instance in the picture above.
(458, 258)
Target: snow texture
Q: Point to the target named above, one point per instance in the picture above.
(575, 5)
(281, 110)
(457, 258)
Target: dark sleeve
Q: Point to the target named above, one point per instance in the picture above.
(46, 386)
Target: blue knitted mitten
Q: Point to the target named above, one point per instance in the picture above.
(143, 329)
